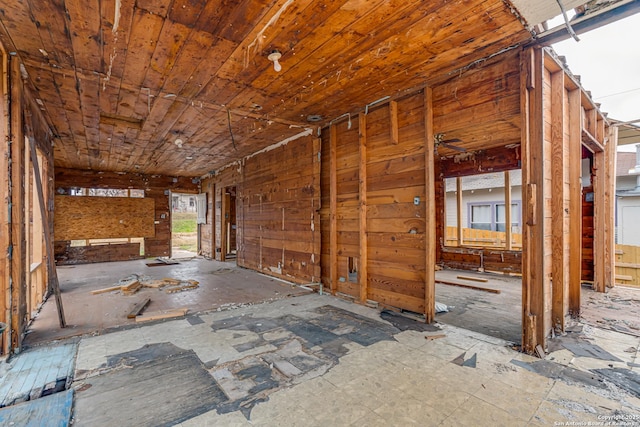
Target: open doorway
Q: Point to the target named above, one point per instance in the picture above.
(184, 231)
(480, 286)
(229, 224)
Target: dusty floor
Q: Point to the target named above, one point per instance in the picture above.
(317, 360)
(221, 285)
(294, 358)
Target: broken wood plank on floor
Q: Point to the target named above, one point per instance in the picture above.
(105, 290)
(164, 314)
(131, 288)
(137, 309)
(464, 285)
(474, 279)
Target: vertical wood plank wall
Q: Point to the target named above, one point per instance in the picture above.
(375, 204)
(278, 195)
(23, 259)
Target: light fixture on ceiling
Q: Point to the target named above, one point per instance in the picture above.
(275, 56)
(179, 142)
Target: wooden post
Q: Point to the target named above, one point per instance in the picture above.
(333, 208)
(430, 207)
(558, 166)
(533, 257)
(393, 113)
(507, 210)
(316, 204)
(363, 276)
(460, 234)
(609, 207)
(575, 203)
(17, 202)
(599, 220)
(5, 219)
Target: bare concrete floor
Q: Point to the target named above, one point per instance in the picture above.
(497, 315)
(221, 285)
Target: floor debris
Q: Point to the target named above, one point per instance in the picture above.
(434, 337)
(405, 323)
(623, 378)
(470, 362)
(137, 309)
(441, 308)
(132, 284)
(557, 371)
(586, 349)
(163, 314)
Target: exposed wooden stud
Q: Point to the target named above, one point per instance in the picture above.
(575, 203)
(393, 113)
(316, 205)
(17, 202)
(599, 220)
(459, 228)
(609, 207)
(333, 206)
(533, 266)
(507, 211)
(5, 220)
(363, 276)
(48, 234)
(558, 166)
(430, 207)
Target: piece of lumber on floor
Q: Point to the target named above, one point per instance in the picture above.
(104, 290)
(164, 314)
(474, 279)
(137, 309)
(464, 285)
(434, 337)
(132, 288)
(171, 281)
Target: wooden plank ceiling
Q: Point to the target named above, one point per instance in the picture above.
(121, 80)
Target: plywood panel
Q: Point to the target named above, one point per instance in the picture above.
(79, 218)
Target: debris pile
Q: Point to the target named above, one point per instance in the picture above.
(132, 284)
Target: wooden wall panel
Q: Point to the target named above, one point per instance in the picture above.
(280, 227)
(66, 254)
(79, 218)
(156, 187)
(277, 199)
